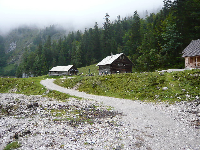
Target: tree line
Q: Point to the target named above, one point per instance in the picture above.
(153, 42)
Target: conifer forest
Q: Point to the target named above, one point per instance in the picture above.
(153, 42)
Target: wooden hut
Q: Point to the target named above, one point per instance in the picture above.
(118, 63)
(63, 70)
(192, 54)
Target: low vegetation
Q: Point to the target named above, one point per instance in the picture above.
(88, 70)
(73, 113)
(29, 86)
(150, 86)
(12, 145)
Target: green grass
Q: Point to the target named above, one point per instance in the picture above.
(12, 145)
(142, 86)
(70, 82)
(93, 69)
(136, 86)
(30, 86)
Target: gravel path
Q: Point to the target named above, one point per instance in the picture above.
(155, 126)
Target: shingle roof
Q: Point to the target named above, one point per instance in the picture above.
(193, 49)
(109, 59)
(61, 68)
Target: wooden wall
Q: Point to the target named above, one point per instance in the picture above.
(120, 65)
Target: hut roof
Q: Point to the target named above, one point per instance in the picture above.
(193, 49)
(109, 59)
(61, 68)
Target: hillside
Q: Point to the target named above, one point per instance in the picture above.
(25, 38)
(150, 86)
(92, 69)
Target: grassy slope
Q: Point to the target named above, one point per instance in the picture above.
(29, 86)
(143, 86)
(93, 70)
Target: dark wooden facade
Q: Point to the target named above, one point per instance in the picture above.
(73, 71)
(120, 65)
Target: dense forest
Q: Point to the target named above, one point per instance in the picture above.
(153, 42)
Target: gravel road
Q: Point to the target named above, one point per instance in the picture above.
(155, 126)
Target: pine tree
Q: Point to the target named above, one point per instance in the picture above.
(132, 39)
(61, 58)
(85, 48)
(47, 52)
(106, 36)
(76, 54)
(97, 43)
(2, 52)
(54, 53)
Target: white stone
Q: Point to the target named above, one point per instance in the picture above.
(165, 88)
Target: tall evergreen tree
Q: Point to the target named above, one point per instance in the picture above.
(55, 54)
(133, 39)
(76, 54)
(47, 52)
(2, 52)
(85, 47)
(106, 36)
(97, 43)
(61, 57)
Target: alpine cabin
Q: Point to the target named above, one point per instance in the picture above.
(63, 70)
(192, 54)
(118, 63)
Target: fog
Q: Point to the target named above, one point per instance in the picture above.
(73, 14)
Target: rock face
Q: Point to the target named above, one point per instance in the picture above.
(12, 47)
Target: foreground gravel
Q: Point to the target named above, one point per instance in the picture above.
(90, 123)
(43, 123)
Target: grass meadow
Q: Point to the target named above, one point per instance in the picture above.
(146, 86)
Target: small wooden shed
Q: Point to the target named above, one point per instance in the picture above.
(192, 54)
(63, 70)
(118, 63)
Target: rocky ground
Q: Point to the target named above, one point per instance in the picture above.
(37, 122)
(186, 112)
(44, 123)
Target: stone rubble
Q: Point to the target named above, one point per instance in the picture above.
(38, 122)
(28, 119)
(187, 112)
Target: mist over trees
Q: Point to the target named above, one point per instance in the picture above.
(2, 52)
(153, 42)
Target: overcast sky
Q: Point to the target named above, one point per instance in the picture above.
(78, 14)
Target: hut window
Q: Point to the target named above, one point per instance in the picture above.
(198, 59)
(191, 60)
